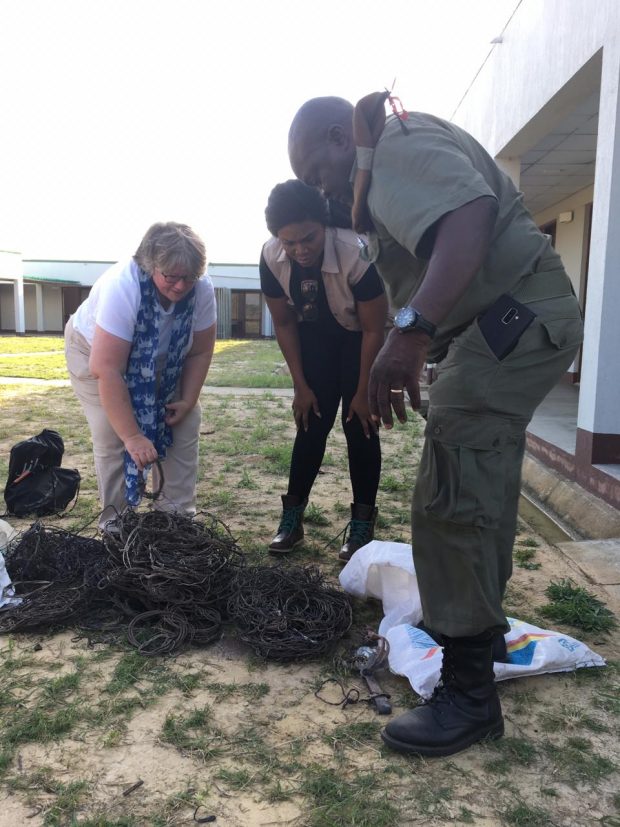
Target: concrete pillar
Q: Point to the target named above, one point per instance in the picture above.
(18, 301)
(40, 314)
(598, 422)
(223, 300)
(512, 168)
(266, 320)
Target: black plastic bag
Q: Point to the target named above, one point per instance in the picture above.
(43, 493)
(36, 484)
(35, 454)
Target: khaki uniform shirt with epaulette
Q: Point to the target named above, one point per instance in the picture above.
(419, 177)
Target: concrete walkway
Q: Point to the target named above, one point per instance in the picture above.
(599, 560)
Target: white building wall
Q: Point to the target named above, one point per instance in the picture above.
(11, 270)
(52, 304)
(546, 43)
(600, 397)
(570, 236)
(553, 54)
(30, 306)
(83, 272)
(233, 276)
(7, 308)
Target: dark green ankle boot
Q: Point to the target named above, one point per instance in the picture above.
(291, 528)
(360, 530)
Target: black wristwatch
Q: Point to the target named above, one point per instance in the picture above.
(408, 318)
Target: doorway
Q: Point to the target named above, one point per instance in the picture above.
(246, 318)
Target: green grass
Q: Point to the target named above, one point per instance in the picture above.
(234, 779)
(524, 558)
(577, 607)
(315, 515)
(248, 364)
(68, 800)
(524, 815)
(42, 366)
(246, 481)
(30, 344)
(37, 725)
(508, 753)
(236, 363)
(354, 800)
(570, 717)
(390, 484)
(193, 733)
(278, 458)
(576, 761)
(250, 691)
(131, 668)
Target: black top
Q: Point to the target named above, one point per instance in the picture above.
(367, 288)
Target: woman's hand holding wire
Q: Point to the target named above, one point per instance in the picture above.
(141, 450)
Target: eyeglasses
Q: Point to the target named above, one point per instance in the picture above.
(309, 294)
(173, 279)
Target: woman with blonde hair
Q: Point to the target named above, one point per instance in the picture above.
(138, 351)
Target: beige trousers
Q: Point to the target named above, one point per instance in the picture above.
(180, 467)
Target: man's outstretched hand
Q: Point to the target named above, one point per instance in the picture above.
(397, 369)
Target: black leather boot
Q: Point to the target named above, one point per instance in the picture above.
(463, 709)
(359, 531)
(291, 528)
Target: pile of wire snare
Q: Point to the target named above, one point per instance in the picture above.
(55, 573)
(162, 581)
(285, 613)
(159, 580)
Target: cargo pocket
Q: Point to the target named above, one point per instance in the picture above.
(464, 468)
(564, 334)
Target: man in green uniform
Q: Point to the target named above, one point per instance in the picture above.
(477, 288)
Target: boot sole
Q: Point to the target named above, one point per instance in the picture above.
(491, 734)
(284, 550)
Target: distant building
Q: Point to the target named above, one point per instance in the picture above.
(38, 296)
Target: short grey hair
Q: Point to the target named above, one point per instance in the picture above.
(168, 245)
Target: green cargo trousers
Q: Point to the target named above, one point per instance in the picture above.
(465, 501)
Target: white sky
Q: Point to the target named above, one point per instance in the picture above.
(118, 113)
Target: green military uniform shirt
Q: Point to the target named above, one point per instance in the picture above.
(419, 177)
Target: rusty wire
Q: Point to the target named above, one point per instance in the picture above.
(288, 612)
(156, 580)
(161, 581)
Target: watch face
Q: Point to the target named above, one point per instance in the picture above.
(405, 317)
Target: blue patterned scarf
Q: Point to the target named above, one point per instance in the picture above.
(147, 398)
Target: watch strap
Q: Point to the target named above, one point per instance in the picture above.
(417, 323)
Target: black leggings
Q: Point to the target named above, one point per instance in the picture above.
(331, 365)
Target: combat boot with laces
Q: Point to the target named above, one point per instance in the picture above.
(291, 529)
(463, 709)
(359, 531)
